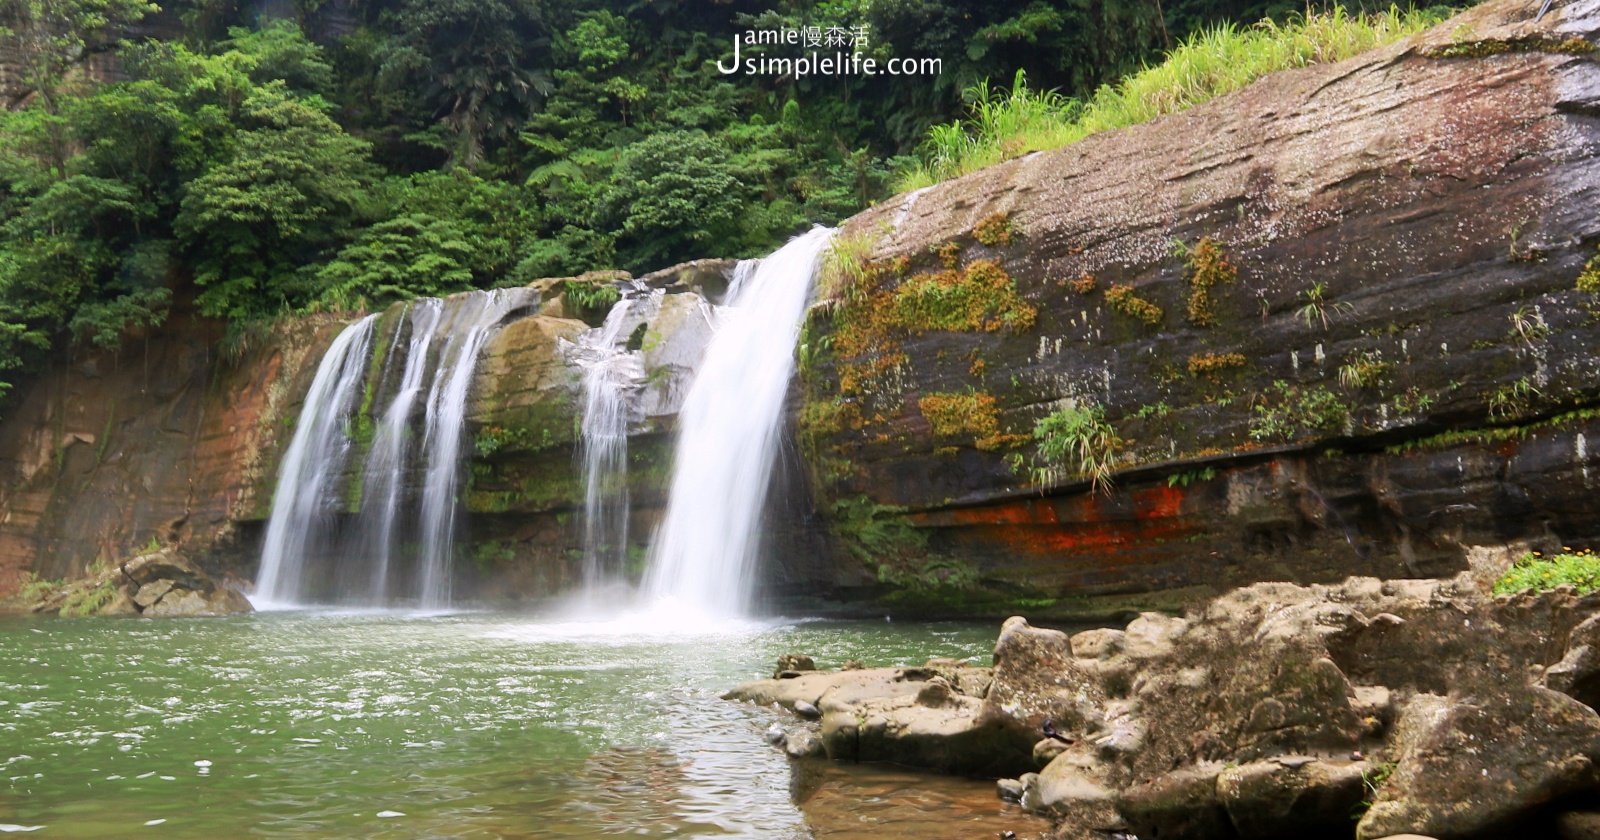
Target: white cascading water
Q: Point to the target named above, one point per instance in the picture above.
(612, 377)
(316, 453)
(468, 327)
(703, 555)
(387, 462)
(445, 338)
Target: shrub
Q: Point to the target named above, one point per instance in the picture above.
(1284, 411)
(1080, 439)
(588, 297)
(1085, 284)
(1534, 573)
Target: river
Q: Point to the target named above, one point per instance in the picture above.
(311, 724)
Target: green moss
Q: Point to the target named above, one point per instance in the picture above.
(492, 439)
(967, 415)
(978, 298)
(1531, 43)
(1534, 573)
(877, 534)
(1206, 267)
(488, 555)
(1122, 299)
(1589, 279)
(1491, 435)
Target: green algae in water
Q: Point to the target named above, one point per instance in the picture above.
(314, 725)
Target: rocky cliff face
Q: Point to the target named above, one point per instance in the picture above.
(1332, 322)
(164, 441)
(170, 443)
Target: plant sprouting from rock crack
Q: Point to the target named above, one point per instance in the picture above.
(1513, 400)
(1206, 267)
(1077, 438)
(1317, 306)
(1284, 411)
(1365, 369)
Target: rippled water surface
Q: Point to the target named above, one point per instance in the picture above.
(473, 726)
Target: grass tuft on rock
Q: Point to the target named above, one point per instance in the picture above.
(1536, 573)
(1007, 124)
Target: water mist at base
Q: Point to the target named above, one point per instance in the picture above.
(729, 430)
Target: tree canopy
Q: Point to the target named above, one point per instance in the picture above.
(345, 155)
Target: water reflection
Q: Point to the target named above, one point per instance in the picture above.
(308, 725)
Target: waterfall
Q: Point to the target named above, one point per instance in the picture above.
(612, 377)
(397, 540)
(387, 462)
(315, 454)
(729, 431)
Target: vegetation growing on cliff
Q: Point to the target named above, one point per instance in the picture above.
(1535, 573)
(308, 158)
(1589, 278)
(967, 415)
(1206, 266)
(1122, 299)
(1219, 60)
(1284, 412)
(1080, 440)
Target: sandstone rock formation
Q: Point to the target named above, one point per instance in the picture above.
(181, 441)
(1368, 707)
(1402, 233)
(1395, 379)
(157, 584)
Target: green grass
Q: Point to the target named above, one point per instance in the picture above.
(1534, 573)
(1077, 438)
(1007, 124)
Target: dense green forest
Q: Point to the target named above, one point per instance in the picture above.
(286, 156)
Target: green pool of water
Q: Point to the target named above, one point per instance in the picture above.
(324, 725)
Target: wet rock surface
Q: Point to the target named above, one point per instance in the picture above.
(1379, 191)
(161, 583)
(1365, 709)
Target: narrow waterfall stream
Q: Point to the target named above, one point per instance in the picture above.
(613, 375)
(729, 430)
(365, 509)
(315, 454)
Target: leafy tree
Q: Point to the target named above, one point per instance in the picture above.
(674, 194)
(45, 38)
(289, 189)
(398, 259)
